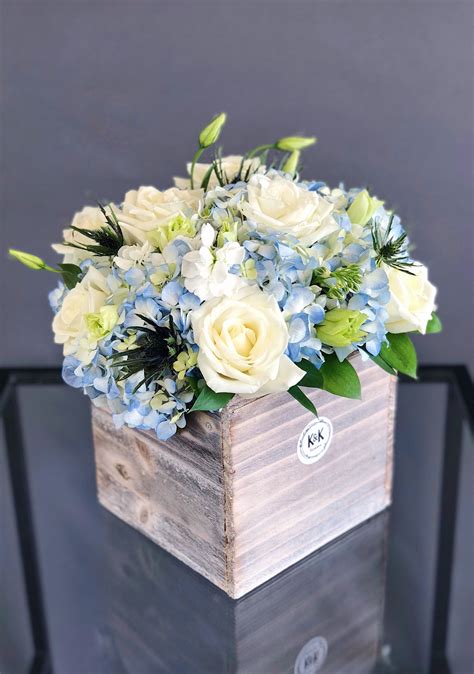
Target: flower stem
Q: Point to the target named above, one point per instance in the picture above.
(259, 149)
(195, 158)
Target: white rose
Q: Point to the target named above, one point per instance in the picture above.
(90, 217)
(145, 209)
(69, 325)
(230, 167)
(280, 205)
(206, 272)
(412, 299)
(242, 344)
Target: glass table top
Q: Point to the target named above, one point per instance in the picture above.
(100, 598)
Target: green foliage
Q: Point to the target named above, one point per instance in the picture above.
(400, 354)
(154, 350)
(381, 363)
(313, 377)
(333, 376)
(434, 325)
(391, 251)
(107, 239)
(340, 378)
(70, 274)
(340, 282)
(303, 399)
(210, 401)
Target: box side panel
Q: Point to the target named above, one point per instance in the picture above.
(284, 509)
(170, 491)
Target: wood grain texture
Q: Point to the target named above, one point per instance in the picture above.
(171, 491)
(228, 494)
(283, 509)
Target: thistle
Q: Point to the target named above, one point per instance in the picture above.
(107, 239)
(391, 251)
(153, 351)
(340, 282)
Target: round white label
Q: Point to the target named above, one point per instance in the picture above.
(314, 441)
(312, 656)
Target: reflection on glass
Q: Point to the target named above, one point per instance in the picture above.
(322, 615)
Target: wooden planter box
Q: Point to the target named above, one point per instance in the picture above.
(230, 496)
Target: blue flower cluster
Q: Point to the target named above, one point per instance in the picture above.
(308, 247)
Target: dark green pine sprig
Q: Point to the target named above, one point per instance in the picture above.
(107, 239)
(392, 251)
(154, 351)
(216, 167)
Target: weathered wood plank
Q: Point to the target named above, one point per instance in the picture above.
(228, 494)
(164, 490)
(282, 509)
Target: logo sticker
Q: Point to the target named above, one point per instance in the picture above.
(314, 441)
(312, 656)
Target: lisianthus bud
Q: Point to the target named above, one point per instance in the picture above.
(341, 327)
(31, 261)
(291, 163)
(292, 143)
(210, 133)
(363, 208)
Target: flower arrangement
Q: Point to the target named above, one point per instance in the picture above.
(243, 279)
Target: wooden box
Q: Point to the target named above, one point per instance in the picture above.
(242, 494)
(323, 615)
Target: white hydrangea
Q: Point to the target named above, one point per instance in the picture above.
(135, 256)
(206, 271)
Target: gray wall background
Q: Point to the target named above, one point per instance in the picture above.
(100, 97)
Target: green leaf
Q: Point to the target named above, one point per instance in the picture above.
(434, 325)
(400, 354)
(70, 274)
(340, 378)
(194, 384)
(208, 400)
(313, 377)
(207, 177)
(303, 399)
(381, 363)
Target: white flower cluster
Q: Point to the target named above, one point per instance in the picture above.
(241, 279)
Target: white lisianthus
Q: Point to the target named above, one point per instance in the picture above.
(146, 209)
(280, 205)
(135, 256)
(412, 299)
(242, 343)
(91, 218)
(230, 167)
(70, 324)
(206, 271)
